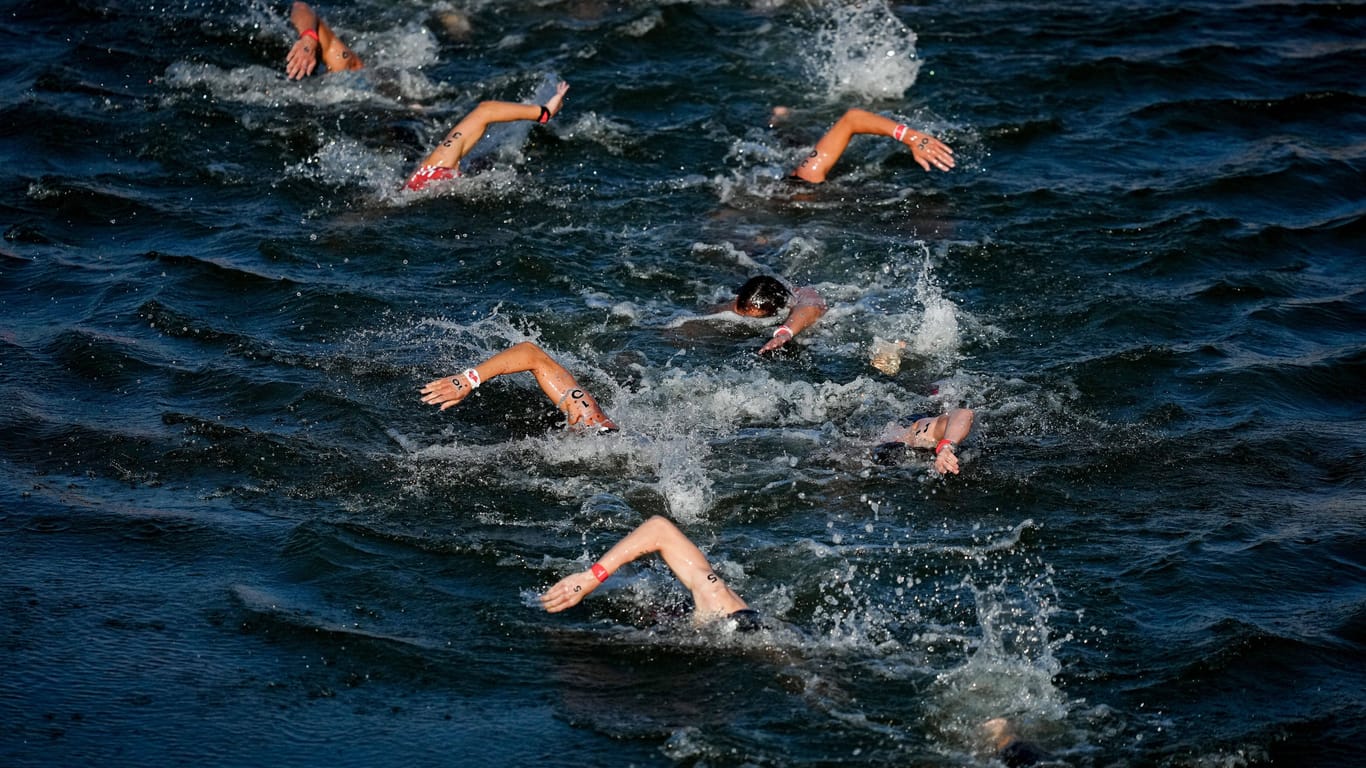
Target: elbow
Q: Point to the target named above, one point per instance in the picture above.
(657, 524)
(656, 532)
(964, 417)
(528, 354)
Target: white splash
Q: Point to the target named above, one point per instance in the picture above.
(863, 50)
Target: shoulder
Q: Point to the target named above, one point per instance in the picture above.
(806, 296)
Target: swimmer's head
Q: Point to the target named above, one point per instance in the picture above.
(761, 296)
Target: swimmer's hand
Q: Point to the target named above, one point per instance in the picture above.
(782, 336)
(557, 101)
(446, 391)
(569, 591)
(946, 463)
(302, 59)
(928, 151)
(582, 412)
(774, 343)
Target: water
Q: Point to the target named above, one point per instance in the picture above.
(232, 535)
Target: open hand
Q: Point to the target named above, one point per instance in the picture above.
(946, 463)
(929, 152)
(557, 101)
(569, 591)
(446, 391)
(302, 59)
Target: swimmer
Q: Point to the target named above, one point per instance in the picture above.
(940, 434)
(927, 151)
(764, 296)
(444, 161)
(580, 409)
(712, 599)
(1009, 747)
(316, 41)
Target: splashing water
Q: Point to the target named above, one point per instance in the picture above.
(938, 336)
(864, 50)
(1010, 671)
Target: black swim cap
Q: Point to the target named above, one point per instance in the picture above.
(762, 295)
(747, 620)
(890, 453)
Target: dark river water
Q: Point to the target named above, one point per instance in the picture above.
(232, 535)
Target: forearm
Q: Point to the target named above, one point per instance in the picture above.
(523, 356)
(303, 18)
(653, 535)
(450, 390)
(472, 127)
(647, 538)
(808, 307)
(688, 564)
(860, 121)
(958, 425)
(554, 380)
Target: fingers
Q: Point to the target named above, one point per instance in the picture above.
(937, 154)
(773, 343)
(445, 392)
(568, 592)
(946, 463)
(301, 60)
(557, 100)
(931, 153)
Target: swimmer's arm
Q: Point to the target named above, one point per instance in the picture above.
(647, 538)
(658, 534)
(927, 151)
(808, 306)
(526, 356)
(556, 382)
(953, 426)
(303, 56)
(472, 127)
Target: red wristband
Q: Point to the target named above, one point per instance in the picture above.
(783, 329)
(900, 132)
(940, 446)
(599, 572)
(311, 33)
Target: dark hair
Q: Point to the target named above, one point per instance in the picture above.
(763, 294)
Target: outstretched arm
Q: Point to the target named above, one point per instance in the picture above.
(928, 151)
(709, 593)
(807, 308)
(579, 407)
(471, 128)
(952, 428)
(316, 40)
